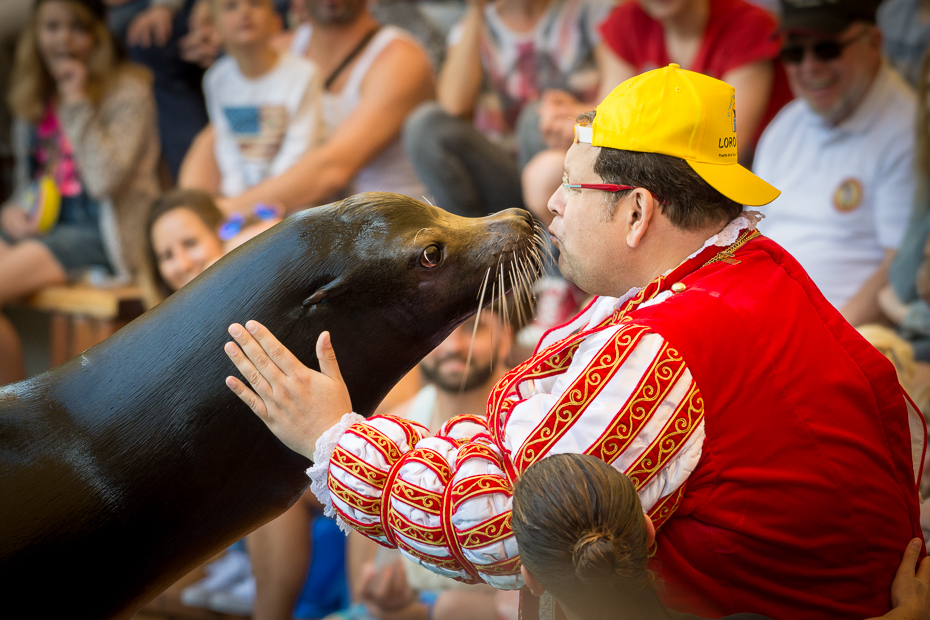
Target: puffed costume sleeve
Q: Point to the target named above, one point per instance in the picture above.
(621, 393)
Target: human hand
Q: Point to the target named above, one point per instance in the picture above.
(910, 592)
(201, 44)
(16, 223)
(70, 77)
(297, 404)
(386, 586)
(891, 305)
(387, 595)
(557, 112)
(152, 25)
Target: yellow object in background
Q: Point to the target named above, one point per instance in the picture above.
(42, 201)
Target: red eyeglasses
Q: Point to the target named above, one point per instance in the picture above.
(604, 187)
(608, 187)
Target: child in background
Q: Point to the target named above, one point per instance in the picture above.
(180, 242)
(263, 105)
(185, 233)
(85, 141)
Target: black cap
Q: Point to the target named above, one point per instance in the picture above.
(96, 7)
(827, 16)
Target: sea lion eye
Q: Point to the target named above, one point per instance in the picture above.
(431, 257)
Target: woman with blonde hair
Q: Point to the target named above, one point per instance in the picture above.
(87, 157)
(583, 538)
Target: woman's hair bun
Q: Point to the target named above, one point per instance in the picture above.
(599, 554)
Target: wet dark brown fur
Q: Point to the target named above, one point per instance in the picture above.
(131, 464)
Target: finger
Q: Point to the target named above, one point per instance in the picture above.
(909, 561)
(282, 358)
(248, 369)
(249, 397)
(163, 33)
(923, 571)
(327, 357)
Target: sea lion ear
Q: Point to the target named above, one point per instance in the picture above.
(328, 289)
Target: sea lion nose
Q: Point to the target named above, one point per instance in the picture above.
(508, 219)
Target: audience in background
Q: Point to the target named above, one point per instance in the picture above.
(374, 76)
(502, 57)
(905, 26)
(841, 154)
(86, 143)
(731, 40)
(152, 31)
(264, 106)
(905, 300)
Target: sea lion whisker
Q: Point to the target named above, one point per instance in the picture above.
(418, 234)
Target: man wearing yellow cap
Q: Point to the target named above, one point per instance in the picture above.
(771, 446)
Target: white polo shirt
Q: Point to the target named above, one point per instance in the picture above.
(847, 191)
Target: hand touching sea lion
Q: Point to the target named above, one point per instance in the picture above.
(297, 403)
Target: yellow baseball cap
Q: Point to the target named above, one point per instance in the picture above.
(683, 114)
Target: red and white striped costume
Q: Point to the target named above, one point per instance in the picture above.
(621, 381)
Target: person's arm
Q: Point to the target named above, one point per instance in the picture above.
(613, 69)
(445, 499)
(108, 138)
(892, 307)
(397, 82)
(461, 75)
(558, 109)
(864, 307)
(153, 25)
(199, 169)
(753, 84)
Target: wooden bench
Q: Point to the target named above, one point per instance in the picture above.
(83, 315)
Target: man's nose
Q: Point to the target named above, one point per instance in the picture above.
(557, 201)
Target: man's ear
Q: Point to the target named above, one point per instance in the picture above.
(650, 531)
(641, 209)
(536, 588)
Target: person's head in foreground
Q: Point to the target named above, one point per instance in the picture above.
(832, 51)
(651, 176)
(584, 538)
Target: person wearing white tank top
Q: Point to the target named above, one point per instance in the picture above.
(376, 77)
(390, 170)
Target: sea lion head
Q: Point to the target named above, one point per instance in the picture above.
(388, 276)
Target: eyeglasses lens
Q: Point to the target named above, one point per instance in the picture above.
(823, 51)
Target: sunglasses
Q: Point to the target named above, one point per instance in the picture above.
(824, 50)
(261, 212)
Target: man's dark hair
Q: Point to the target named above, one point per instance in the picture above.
(684, 197)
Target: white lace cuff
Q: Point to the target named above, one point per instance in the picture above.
(319, 471)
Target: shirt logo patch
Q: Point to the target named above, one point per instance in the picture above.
(848, 195)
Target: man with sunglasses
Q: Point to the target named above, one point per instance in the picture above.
(771, 446)
(842, 153)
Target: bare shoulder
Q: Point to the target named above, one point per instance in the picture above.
(401, 56)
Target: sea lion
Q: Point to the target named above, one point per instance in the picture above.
(126, 467)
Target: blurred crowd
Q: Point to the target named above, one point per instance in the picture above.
(141, 140)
